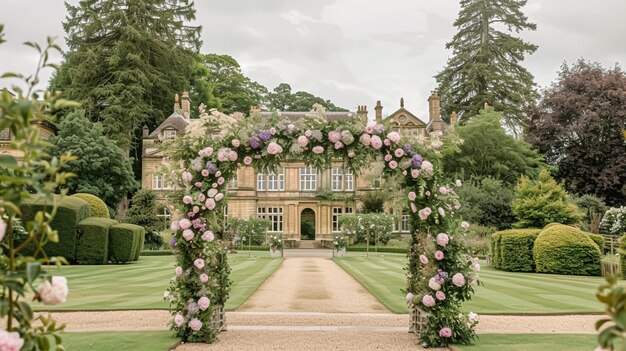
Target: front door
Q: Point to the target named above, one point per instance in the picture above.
(307, 224)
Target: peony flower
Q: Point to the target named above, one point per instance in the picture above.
(274, 149)
(201, 197)
(393, 164)
(388, 158)
(443, 190)
(415, 173)
(247, 160)
(445, 332)
(232, 156)
(366, 139)
(423, 259)
(428, 301)
(205, 172)
(439, 255)
(318, 149)
(427, 211)
(54, 292)
(351, 154)
(210, 204)
(369, 129)
(412, 196)
(188, 234)
(303, 141)
(427, 167)
(184, 223)
(179, 270)
(458, 183)
(308, 133)
(187, 199)
(409, 297)
(442, 213)
(219, 196)
(476, 266)
(347, 137)
(195, 324)
(211, 192)
(464, 225)
(179, 319)
(220, 180)
(203, 303)
(334, 136)
(235, 143)
(338, 145)
(442, 239)
(458, 280)
(473, 317)
(387, 142)
(273, 131)
(433, 284)
(204, 278)
(399, 152)
(440, 295)
(199, 263)
(198, 184)
(376, 142)
(208, 236)
(423, 216)
(394, 137)
(174, 226)
(187, 176)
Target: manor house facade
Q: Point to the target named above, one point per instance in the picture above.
(302, 203)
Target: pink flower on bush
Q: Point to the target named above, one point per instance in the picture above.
(247, 160)
(369, 129)
(220, 180)
(424, 213)
(428, 301)
(204, 172)
(273, 131)
(415, 173)
(196, 209)
(201, 197)
(187, 176)
(10, 341)
(376, 142)
(393, 164)
(442, 213)
(338, 145)
(203, 303)
(308, 133)
(198, 184)
(388, 158)
(427, 167)
(434, 284)
(394, 137)
(351, 154)
(458, 183)
(208, 236)
(232, 156)
(199, 263)
(440, 295)
(399, 152)
(184, 223)
(219, 196)
(235, 143)
(210, 204)
(409, 297)
(204, 278)
(211, 192)
(174, 226)
(54, 292)
(303, 141)
(458, 280)
(414, 209)
(439, 255)
(318, 150)
(412, 196)
(334, 136)
(366, 139)
(195, 324)
(443, 190)
(423, 259)
(274, 149)
(442, 239)
(445, 332)
(387, 142)
(188, 234)
(179, 270)
(179, 319)
(464, 225)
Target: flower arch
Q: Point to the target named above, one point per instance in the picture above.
(440, 272)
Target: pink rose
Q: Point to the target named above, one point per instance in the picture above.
(174, 226)
(428, 301)
(188, 234)
(195, 324)
(338, 145)
(196, 209)
(458, 280)
(179, 270)
(318, 150)
(442, 213)
(53, 292)
(366, 139)
(394, 137)
(427, 211)
(458, 183)
(210, 204)
(369, 129)
(211, 192)
(423, 216)
(205, 172)
(423, 259)
(351, 154)
(199, 263)
(409, 297)
(220, 180)
(208, 236)
(442, 239)
(412, 196)
(334, 136)
(235, 143)
(10, 341)
(414, 209)
(184, 223)
(273, 131)
(440, 295)
(415, 173)
(387, 142)
(303, 141)
(179, 319)
(201, 197)
(399, 152)
(443, 190)
(434, 284)
(204, 278)
(219, 196)
(393, 164)
(274, 149)
(388, 158)
(203, 303)
(439, 255)
(198, 184)
(376, 142)
(232, 156)
(187, 176)
(308, 133)
(247, 160)
(445, 332)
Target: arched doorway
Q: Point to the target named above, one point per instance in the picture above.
(307, 224)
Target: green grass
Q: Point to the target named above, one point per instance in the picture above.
(107, 341)
(140, 285)
(502, 293)
(532, 342)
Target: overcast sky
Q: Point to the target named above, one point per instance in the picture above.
(352, 52)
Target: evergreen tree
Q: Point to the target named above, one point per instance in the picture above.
(485, 63)
(126, 60)
(101, 168)
(143, 211)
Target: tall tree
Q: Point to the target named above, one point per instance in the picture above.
(126, 59)
(485, 63)
(283, 99)
(579, 125)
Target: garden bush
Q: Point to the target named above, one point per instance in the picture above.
(93, 240)
(566, 250)
(97, 206)
(124, 240)
(516, 250)
(495, 249)
(599, 240)
(69, 213)
(622, 245)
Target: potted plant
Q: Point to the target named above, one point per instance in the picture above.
(276, 246)
(339, 246)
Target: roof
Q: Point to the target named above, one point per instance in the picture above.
(406, 112)
(176, 121)
(294, 116)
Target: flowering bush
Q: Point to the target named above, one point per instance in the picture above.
(276, 243)
(614, 221)
(339, 242)
(214, 147)
(362, 226)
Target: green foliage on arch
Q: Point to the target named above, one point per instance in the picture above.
(215, 145)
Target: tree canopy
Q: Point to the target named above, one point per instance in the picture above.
(578, 125)
(485, 63)
(101, 168)
(283, 99)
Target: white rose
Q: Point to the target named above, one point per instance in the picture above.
(55, 293)
(473, 317)
(432, 283)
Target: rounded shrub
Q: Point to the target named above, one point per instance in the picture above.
(566, 250)
(98, 207)
(550, 225)
(516, 250)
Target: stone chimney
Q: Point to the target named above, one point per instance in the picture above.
(146, 131)
(176, 102)
(379, 112)
(453, 119)
(185, 104)
(434, 112)
(361, 112)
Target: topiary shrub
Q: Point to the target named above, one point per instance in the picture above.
(93, 240)
(97, 206)
(495, 249)
(140, 244)
(124, 240)
(69, 213)
(566, 250)
(516, 250)
(549, 225)
(599, 240)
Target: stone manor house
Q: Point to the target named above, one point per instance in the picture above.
(299, 199)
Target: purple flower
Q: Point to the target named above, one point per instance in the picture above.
(211, 167)
(255, 142)
(264, 135)
(173, 241)
(407, 148)
(416, 161)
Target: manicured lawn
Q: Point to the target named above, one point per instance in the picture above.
(140, 285)
(532, 342)
(107, 341)
(503, 292)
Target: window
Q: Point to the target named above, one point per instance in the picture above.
(158, 182)
(342, 180)
(225, 216)
(308, 179)
(274, 215)
(234, 182)
(401, 224)
(272, 181)
(349, 182)
(337, 211)
(377, 182)
(169, 134)
(165, 215)
(348, 210)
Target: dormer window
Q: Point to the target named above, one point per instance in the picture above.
(169, 134)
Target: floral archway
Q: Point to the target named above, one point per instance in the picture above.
(440, 272)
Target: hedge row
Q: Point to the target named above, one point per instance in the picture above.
(513, 249)
(380, 249)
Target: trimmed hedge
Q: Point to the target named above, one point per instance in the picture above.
(98, 207)
(93, 240)
(516, 250)
(157, 253)
(599, 240)
(70, 212)
(566, 250)
(124, 240)
(139, 247)
(380, 249)
(496, 239)
(549, 225)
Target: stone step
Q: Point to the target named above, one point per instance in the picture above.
(309, 244)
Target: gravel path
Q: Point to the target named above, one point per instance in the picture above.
(311, 284)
